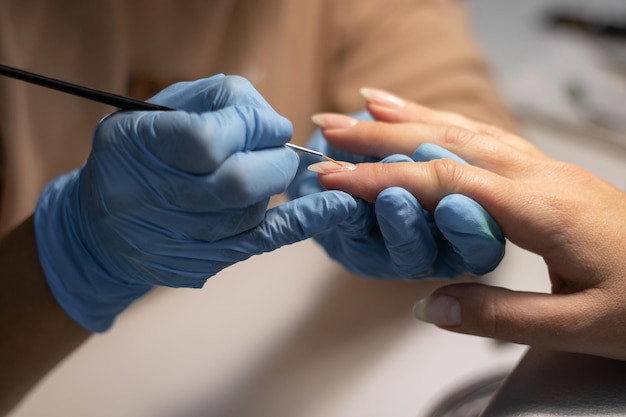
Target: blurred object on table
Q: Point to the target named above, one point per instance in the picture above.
(576, 76)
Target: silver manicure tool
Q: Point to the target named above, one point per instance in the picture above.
(312, 152)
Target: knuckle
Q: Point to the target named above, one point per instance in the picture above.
(446, 171)
(240, 192)
(236, 83)
(238, 91)
(455, 137)
(489, 317)
(198, 144)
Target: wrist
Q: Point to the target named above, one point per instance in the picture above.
(78, 278)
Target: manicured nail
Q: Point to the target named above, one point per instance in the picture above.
(440, 310)
(333, 120)
(328, 167)
(383, 98)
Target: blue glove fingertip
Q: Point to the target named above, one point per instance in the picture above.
(473, 233)
(395, 208)
(396, 158)
(429, 151)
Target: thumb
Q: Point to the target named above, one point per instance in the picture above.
(553, 321)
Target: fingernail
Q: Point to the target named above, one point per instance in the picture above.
(333, 120)
(383, 98)
(328, 167)
(440, 310)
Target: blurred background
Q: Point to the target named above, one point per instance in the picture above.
(561, 66)
(559, 63)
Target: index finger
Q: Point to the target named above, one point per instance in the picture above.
(192, 142)
(428, 181)
(382, 139)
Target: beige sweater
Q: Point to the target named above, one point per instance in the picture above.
(304, 57)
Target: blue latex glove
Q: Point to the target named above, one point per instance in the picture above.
(394, 238)
(172, 198)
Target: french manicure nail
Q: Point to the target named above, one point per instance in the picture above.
(333, 120)
(382, 98)
(441, 310)
(328, 167)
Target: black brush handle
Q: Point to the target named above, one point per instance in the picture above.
(115, 100)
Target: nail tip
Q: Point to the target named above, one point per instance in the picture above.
(418, 309)
(333, 120)
(328, 167)
(313, 168)
(318, 119)
(381, 97)
(440, 310)
(347, 166)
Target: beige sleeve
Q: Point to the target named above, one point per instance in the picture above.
(424, 50)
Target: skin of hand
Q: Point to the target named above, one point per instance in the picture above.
(573, 219)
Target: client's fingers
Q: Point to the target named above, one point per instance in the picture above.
(429, 181)
(382, 139)
(387, 107)
(573, 322)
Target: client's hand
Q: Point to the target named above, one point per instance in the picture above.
(393, 237)
(573, 219)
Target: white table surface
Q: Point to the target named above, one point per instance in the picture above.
(282, 334)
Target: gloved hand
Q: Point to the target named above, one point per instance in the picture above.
(172, 198)
(394, 238)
